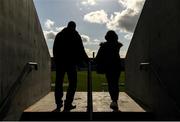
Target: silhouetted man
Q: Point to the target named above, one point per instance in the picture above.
(68, 52)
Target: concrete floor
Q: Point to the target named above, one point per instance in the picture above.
(101, 102)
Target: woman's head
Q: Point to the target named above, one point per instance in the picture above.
(111, 36)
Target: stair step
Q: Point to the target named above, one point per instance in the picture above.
(84, 116)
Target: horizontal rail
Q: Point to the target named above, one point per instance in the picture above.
(148, 65)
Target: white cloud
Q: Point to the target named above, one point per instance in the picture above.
(50, 30)
(99, 17)
(126, 20)
(89, 52)
(88, 41)
(60, 28)
(49, 24)
(89, 2)
(96, 40)
(136, 5)
(85, 38)
(50, 34)
(128, 36)
(51, 52)
(123, 53)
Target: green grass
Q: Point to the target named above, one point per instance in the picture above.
(98, 80)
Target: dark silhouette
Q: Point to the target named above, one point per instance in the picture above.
(68, 52)
(109, 63)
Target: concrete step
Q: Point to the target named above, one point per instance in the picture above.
(101, 102)
(130, 110)
(84, 116)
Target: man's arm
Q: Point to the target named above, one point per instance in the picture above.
(82, 50)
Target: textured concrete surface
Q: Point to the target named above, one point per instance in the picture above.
(22, 41)
(101, 102)
(156, 40)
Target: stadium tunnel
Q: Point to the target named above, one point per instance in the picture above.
(151, 65)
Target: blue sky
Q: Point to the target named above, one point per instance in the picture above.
(93, 18)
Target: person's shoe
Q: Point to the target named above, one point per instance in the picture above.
(67, 108)
(114, 106)
(116, 110)
(57, 110)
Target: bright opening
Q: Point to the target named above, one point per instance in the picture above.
(93, 18)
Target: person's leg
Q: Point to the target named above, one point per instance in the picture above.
(113, 87)
(116, 86)
(72, 77)
(113, 79)
(59, 87)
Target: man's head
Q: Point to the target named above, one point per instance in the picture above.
(71, 25)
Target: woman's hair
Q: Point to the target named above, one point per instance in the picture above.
(111, 36)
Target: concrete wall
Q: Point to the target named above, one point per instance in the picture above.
(21, 41)
(156, 40)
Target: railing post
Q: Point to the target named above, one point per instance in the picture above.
(89, 93)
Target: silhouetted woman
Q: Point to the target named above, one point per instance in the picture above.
(109, 59)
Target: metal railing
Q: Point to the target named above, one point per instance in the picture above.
(148, 65)
(89, 93)
(5, 104)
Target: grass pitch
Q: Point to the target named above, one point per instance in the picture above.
(98, 81)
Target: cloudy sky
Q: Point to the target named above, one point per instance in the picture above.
(93, 18)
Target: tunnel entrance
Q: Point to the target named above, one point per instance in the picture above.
(85, 12)
(34, 47)
(151, 75)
